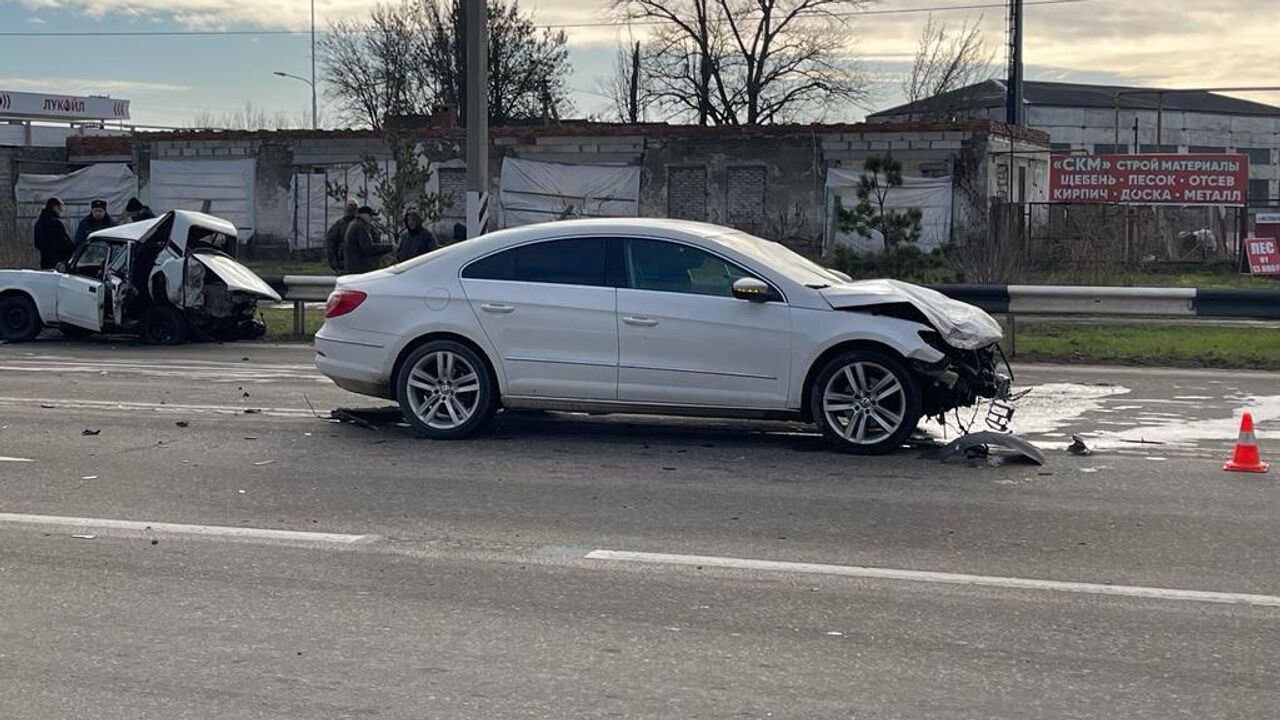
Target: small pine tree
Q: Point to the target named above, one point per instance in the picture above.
(881, 174)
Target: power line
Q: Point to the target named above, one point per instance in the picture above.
(552, 26)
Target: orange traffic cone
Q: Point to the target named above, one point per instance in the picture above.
(1245, 458)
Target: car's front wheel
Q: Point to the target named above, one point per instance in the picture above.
(19, 319)
(446, 391)
(866, 402)
(162, 325)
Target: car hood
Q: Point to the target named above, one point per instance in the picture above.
(961, 325)
(236, 276)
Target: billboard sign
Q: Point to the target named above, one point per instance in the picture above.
(38, 106)
(1154, 179)
(1264, 257)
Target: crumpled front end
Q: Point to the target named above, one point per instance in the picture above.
(963, 378)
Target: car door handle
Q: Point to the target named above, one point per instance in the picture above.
(498, 308)
(640, 321)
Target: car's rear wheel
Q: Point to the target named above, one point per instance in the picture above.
(19, 319)
(866, 402)
(162, 325)
(446, 391)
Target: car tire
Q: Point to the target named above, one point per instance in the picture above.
(446, 390)
(19, 319)
(162, 325)
(74, 332)
(865, 402)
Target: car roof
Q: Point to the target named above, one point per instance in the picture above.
(135, 231)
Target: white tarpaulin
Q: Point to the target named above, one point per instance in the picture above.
(531, 192)
(931, 195)
(113, 182)
(227, 185)
(314, 210)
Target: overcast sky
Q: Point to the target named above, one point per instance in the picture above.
(1173, 43)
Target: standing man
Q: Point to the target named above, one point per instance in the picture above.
(96, 220)
(336, 239)
(137, 211)
(52, 239)
(364, 249)
(415, 240)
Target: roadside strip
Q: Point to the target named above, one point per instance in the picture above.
(938, 577)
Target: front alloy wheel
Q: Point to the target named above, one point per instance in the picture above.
(866, 402)
(445, 390)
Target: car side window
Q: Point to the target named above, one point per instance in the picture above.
(671, 267)
(578, 261)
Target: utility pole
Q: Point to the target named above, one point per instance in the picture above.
(314, 117)
(477, 39)
(1013, 93)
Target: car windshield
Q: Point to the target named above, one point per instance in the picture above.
(793, 265)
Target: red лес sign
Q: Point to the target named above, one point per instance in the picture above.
(1157, 179)
(1264, 256)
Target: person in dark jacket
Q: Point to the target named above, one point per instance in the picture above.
(415, 240)
(364, 249)
(52, 240)
(335, 239)
(137, 211)
(96, 220)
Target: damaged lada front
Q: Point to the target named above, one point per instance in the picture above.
(166, 280)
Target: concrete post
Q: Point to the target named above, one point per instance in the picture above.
(477, 38)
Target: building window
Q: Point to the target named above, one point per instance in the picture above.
(1257, 156)
(1207, 149)
(1149, 148)
(687, 193)
(453, 185)
(1259, 192)
(1105, 149)
(744, 194)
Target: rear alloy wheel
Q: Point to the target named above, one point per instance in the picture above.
(19, 319)
(162, 325)
(866, 402)
(446, 391)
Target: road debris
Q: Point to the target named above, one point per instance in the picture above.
(89, 477)
(91, 431)
(84, 537)
(252, 411)
(369, 418)
(183, 423)
(981, 445)
(1077, 446)
(260, 463)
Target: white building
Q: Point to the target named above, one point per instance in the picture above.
(1113, 119)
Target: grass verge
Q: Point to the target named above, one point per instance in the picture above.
(280, 323)
(1253, 348)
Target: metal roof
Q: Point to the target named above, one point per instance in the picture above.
(991, 94)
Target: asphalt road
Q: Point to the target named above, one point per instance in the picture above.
(565, 566)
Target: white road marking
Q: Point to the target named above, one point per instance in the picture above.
(235, 533)
(1154, 593)
(82, 404)
(15, 459)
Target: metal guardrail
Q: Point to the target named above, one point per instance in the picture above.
(1007, 300)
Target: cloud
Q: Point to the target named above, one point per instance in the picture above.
(33, 20)
(85, 86)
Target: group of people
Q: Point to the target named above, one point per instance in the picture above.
(354, 245)
(56, 245)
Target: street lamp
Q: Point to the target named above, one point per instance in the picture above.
(313, 92)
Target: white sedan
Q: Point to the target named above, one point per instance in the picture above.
(658, 317)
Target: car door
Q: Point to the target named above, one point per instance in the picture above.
(550, 312)
(684, 339)
(81, 291)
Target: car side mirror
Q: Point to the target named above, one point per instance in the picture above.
(61, 267)
(753, 290)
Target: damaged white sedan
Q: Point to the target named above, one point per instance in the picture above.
(655, 316)
(166, 280)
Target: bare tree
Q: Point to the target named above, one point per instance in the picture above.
(410, 58)
(947, 60)
(733, 62)
(249, 117)
(630, 89)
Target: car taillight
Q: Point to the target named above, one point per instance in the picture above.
(342, 302)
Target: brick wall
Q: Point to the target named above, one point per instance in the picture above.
(687, 193)
(744, 194)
